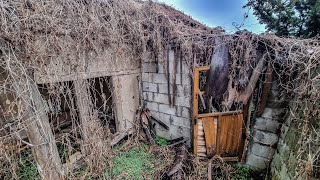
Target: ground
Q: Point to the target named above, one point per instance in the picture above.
(142, 161)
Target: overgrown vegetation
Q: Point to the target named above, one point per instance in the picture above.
(34, 37)
(27, 166)
(161, 141)
(244, 173)
(136, 163)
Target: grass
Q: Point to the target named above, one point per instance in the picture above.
(27, 166)
(161, 141)
(245, 173)
(137, 163)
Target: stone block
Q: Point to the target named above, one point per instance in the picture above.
(149, 67)
(277, 162)
(178, 131)
(165, 118)
(149, 87)
(265, 138)
(148, 96)
(161, 68)
(275, 114)
(180, 121)
(161, 98)
(146, 77)
(162, 132)
(262, 150)
(186, 80)
(185, 112)
(167, 109)
(163, 88)
(268, 125)
(159, 78)
(183, 101)
(177, 76)
(184, 90)
(152, 106)
(147, 57)
(256, 162)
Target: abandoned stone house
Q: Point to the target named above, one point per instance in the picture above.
(108, 88)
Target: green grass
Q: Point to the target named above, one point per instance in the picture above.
(27, 167)
(136, 163)
(161, 141)
(245, 173)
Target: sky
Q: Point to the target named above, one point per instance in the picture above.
(215, 13)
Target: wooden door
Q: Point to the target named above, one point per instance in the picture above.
(217, 133)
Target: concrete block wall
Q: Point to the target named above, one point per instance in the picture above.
(155, 96)
(265, 131)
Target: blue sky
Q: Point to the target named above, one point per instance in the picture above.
(218, 13)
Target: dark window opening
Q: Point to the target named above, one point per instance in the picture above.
(101, 95)
(60, 102)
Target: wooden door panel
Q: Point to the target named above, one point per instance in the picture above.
(210, 133)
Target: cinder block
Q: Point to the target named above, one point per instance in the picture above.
(163, 88)
(184, 90)
(178, 131)
(183, 101)
(149, 67)
(147, 57)
(162, 132)
(146, 77)
(167, 109)
(152, 106)
(161, 68)
(268, 125)
(161, 98)
(149, 87)
(148, 96)
(159, 78)
(187, 80)
(256, 162)
(177, 76)
(185, 112)
(180, 121)
(265, 138)
(165, 118)
(262, 150)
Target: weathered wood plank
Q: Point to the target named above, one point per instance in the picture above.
(209, 132)
(39, 132)
(218, 113)
(195, 109)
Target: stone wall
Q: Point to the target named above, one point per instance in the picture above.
(265, 131)
(155, 96)
(285, 159)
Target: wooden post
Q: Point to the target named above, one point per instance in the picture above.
(195, 110)
(38, 129)
(84, 105)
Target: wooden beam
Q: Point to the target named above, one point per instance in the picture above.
(38, 129)
(265, 90)
(203, 68)
(195, 110)
(218, 114)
